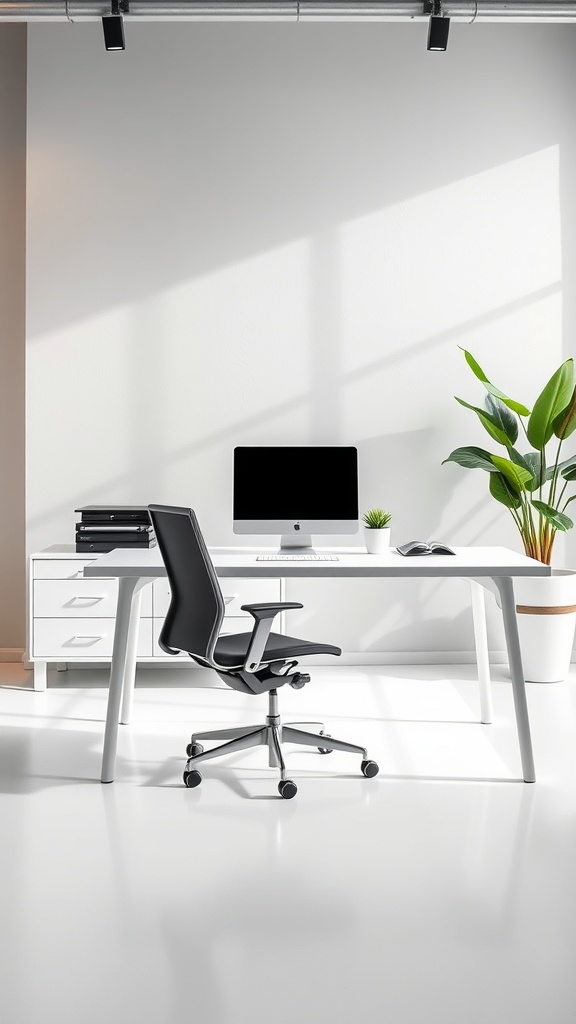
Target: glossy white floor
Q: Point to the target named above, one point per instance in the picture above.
(444, 890)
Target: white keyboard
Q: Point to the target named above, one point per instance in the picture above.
(297, 558)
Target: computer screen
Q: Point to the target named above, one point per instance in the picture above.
(295, 491)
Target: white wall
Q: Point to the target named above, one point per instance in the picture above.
(12, 308)
(280, 234)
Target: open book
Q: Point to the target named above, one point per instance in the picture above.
(419, 547)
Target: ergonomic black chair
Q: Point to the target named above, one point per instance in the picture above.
(253, 662)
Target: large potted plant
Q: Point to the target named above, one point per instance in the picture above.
(534, 486)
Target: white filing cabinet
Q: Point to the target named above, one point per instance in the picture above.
(71, 619)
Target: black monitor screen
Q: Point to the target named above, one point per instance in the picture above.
(307, 482)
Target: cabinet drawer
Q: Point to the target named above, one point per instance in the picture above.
(231, 624)
(80, 598)
(59, 568)
(235, 592)
(74, 639)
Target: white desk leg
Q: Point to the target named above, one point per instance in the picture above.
(506, 589)
(481, 644)
(130, 666)
(40, 675)
(123, 633)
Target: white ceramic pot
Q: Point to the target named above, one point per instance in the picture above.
(376, 541)
(546, 611)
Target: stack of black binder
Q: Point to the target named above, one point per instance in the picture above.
(105, 527)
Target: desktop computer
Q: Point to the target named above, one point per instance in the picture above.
(295, 491)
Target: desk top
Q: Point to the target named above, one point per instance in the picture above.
(355, 562)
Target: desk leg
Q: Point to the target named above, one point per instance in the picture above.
(125, 634)
(40, 675)
(481, 644)
(506, 589)
(130, 666)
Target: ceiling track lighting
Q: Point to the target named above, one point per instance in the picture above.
(438, 27)
(466, 11)
(113, 25)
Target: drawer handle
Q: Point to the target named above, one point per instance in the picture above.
(228, 600)
(81, 640)
(84, 597)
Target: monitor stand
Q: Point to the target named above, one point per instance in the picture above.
(296, 545)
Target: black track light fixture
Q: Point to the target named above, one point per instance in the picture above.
(438, 28)
(113, 26)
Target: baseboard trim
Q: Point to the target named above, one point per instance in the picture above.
(11, 654)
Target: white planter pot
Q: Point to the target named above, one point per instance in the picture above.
(376, 541)
(546, 611)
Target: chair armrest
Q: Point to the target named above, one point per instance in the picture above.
(269, 609)
(263, 615)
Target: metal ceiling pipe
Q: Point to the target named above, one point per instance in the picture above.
(292, 10)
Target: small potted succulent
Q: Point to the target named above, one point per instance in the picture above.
(535, 487)
(376, 530)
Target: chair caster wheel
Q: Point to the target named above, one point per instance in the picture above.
(369, 769)
(192, 779)
(324, 750)
(299, 679)
(194, 748)
(287, 789)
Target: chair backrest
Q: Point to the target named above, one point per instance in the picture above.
(196, 610)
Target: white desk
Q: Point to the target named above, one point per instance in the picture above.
(492, 568)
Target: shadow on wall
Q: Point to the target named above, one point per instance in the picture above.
(315, 411)
(405, 477)
(244, 138)
(386, 615)
(422, 632)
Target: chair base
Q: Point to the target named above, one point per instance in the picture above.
(272, 733)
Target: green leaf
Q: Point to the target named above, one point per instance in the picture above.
(567, 464)
(532, 463)
(569, 473)
(501, 490)
(557, 519)
(479, 373)
(376, 518)
(472, 458)
(488, 423)
(565, 423)
(548, 406)
(516, 476)
(501, 416)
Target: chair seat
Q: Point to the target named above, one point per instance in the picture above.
(231, 650)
